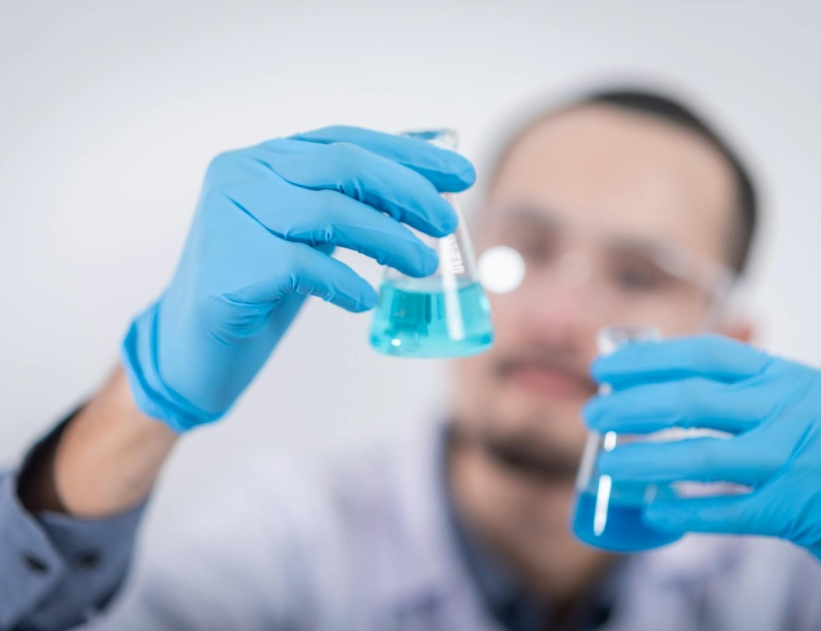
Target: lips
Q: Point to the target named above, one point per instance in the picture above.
(548, 381)
(544, 381)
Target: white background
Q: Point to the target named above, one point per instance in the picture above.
(110, 111)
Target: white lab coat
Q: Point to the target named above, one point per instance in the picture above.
(369, 548)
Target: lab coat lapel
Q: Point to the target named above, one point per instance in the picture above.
(425, 585)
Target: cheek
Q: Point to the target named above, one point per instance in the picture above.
(475, 379)
(689, 319)
(507, 313)
(480, 391)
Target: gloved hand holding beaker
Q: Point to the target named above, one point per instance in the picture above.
(771, 408)
(267, 220)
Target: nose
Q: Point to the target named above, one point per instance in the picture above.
(559, 310)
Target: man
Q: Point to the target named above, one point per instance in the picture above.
(625, 208)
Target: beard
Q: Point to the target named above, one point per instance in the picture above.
(532, 441)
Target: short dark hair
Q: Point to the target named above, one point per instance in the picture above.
(674, 110)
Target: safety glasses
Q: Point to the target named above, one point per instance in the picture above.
(620, 278)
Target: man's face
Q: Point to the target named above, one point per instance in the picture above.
(597, 201)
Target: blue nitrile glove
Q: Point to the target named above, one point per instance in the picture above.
(267, 220)
(770, 405)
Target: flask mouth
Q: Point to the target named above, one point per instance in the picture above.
(443, 137)
(611, 338)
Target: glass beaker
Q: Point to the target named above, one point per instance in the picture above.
(445, 314)
(607, 514)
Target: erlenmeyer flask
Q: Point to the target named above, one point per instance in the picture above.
(608, 514)
(442, 315)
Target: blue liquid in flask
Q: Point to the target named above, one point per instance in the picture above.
(618, 527)
(422, 319)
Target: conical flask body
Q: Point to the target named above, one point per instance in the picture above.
(446, 314)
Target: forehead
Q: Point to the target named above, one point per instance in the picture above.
(621, 173)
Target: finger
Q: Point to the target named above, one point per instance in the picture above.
(738, 514)
(328, 217)
(691, 402)
(307, 272)
(695, 459)
(367, 177)
(710, 356)
(446, 170)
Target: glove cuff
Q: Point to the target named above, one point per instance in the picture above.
(152, 396)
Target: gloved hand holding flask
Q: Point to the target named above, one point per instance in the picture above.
(770, 406)
(267, 220)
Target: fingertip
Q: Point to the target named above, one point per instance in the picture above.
(452, 174)
(461, 177)
(443, 221)
(467, 173)
(428, 261)
(615, 366)
(368, 300)
(357, 304)
(418, 266)
(361, 306)
(591, 413)
(598, 369)
(625, 464)
(606, 463)
(449, 223)
(417, 261)
(660, 515)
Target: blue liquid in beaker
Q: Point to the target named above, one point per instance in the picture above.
(619, 528)
(412, 322)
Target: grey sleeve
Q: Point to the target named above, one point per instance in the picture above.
(57, 571)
